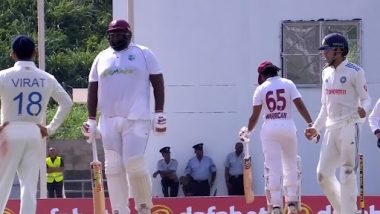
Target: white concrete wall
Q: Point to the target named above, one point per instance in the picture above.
(209, 51)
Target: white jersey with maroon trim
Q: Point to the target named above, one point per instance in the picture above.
(276, 95)
(123, 81)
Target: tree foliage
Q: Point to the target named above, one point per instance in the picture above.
(74, 34)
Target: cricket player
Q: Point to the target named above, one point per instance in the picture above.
(25, 91)
(373, 120)
(345, 101)
(119, 83)
(278, 136)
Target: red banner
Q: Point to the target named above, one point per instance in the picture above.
(191, 205)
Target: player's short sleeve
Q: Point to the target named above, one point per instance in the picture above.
(257, 97)
(93, 76)
(294, 93)
(152, 63)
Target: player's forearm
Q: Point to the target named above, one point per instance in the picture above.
(302, 110)
(254, 117)
(366, 103)
(320, 122)
(92, 99)
(157, 81)
(65, 103)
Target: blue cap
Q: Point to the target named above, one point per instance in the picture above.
(198, 146)
(165, 149)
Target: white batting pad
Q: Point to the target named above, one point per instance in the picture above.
(139, 179)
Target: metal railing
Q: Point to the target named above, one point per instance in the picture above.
(84, 190)
(73, 188)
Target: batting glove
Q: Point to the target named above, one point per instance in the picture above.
(316, 139)
(89, 130)
(244, 134)
(159, 123)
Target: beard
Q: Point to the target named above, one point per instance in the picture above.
(119, 43)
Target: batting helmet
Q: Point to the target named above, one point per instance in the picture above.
(118, 25)
(335, 40)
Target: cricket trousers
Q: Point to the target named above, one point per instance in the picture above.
(279, 143)
(20, 152)
(340, 151)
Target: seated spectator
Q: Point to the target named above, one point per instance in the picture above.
(201, 172)
(234, 171)
(167, 168)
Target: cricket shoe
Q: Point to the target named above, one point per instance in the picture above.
(144, 210)
(292, 208)
(276, 210)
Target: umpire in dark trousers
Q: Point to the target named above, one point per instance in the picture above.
(201, 172)
(234, 171)
(167, 168)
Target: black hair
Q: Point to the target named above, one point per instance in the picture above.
(23, 46)
(270, 71)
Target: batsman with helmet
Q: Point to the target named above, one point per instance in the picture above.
(119, 84)
(278, 136)
(345, 101)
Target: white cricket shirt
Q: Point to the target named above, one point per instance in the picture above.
(25, 92)
(123, 81)
(276, 95)
(374, 117)
(344, 89)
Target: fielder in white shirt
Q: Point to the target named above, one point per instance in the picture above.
(119, 85)
(373, 120)
(275, 95)
(345, 101)
(25, 91)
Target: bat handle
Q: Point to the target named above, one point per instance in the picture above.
(94, 150)
(246, 149)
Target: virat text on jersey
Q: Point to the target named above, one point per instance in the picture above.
(28, 82)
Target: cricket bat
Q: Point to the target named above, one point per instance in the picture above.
(98, 197)
(247, 175)
(361, 164)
